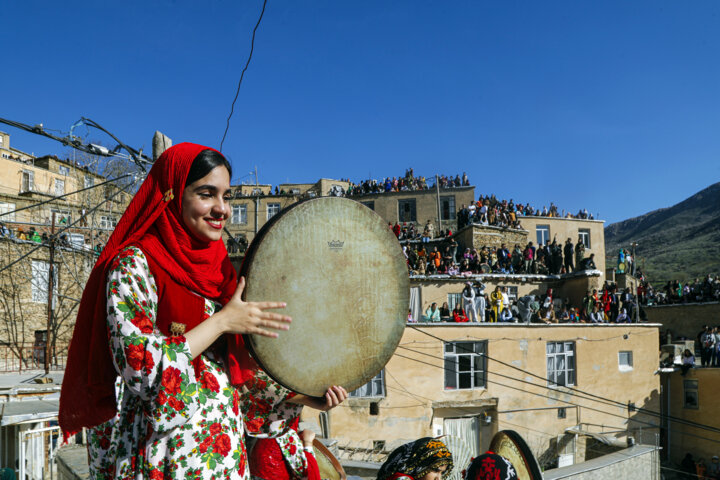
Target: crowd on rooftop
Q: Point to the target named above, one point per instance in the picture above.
(445, 259)
(408, 182)
(677, 292)
(488, 210)
(31, 234)
(610, 305)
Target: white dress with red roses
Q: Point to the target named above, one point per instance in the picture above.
(174, 421)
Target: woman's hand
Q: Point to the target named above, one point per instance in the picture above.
(243, 317)
(334, 396)
(237, 317)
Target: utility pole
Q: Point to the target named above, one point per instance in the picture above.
(437, 190)
(256, 177)
(637, 297)
(51, 287)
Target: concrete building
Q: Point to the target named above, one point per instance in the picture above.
(471, 380)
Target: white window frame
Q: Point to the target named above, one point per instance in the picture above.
(450, 201)
(454, 299)
(561, 364)
(59, 187)
(465, 364)
(239, 214)
(64, 170)
(545, 238)
(89, 181)
(40, 270)
(375, 388)
(625, 360)
(584, 234)
(272, 210)
(108, 221)
(8, 209)
(690, 392)
(30, 175)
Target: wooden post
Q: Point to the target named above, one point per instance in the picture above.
(51, 286)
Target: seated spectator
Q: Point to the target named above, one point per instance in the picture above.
(596, 316)
(564, 315)
(459, 314)
(432, 314)
(548, 315)
(445, 310)
(410, 317)
(688, 361)
(589, 263)
(623, 317)
(506, 315)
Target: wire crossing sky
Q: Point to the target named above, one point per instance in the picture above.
(611, 106)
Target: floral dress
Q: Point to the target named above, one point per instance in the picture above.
(174, 420)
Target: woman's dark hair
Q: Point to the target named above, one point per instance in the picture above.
(203, 163)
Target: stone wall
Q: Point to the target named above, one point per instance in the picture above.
(685, 320)
(478, 236)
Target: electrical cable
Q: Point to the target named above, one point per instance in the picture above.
(598, 398)
(56, 234)
(242, 75)
(35, 205)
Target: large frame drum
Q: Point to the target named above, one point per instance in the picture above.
(344, 278)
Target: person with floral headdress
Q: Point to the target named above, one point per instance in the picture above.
(424, 459)
(156, 370)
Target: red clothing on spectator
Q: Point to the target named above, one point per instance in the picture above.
(460, 317)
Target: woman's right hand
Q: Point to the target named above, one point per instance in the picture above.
(238, 316)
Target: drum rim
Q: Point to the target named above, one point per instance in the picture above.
(244, 267)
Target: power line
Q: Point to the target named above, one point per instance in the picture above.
(56, 234)
(596, 398)
(35, 205)
(242, 75)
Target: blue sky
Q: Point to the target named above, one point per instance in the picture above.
(612, 106)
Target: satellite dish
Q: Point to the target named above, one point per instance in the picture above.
(461, 456)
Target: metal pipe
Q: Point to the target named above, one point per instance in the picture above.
(51, 275)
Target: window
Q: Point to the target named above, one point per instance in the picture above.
(465, 365)
(6, 156)
(59, 187)
(447, 207)
(239, 214)
(561, 412)
(39, 281)
(625, 361)
(272, 210)
(406, 210)
(89, 181)
(28, 178)
(7, 212)
(454, 299)
(690, 396)
(561, 363)
(584, 234)
(107, 221)
(370, 205)
(64, 170)
(543, 234)
(373, 389)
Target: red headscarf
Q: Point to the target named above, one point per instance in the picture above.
(153, 220)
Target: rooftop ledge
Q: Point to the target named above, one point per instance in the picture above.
(534, 325)
(523, 277)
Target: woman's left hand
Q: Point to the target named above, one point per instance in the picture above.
(334, 396)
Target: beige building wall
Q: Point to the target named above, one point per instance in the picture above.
(417, 403)
(693, 398)
(564, 228)
(685, 320)
(387, 205)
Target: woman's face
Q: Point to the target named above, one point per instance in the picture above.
(205, 205)
(435, 474)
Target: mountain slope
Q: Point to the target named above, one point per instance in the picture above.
(680, 242)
